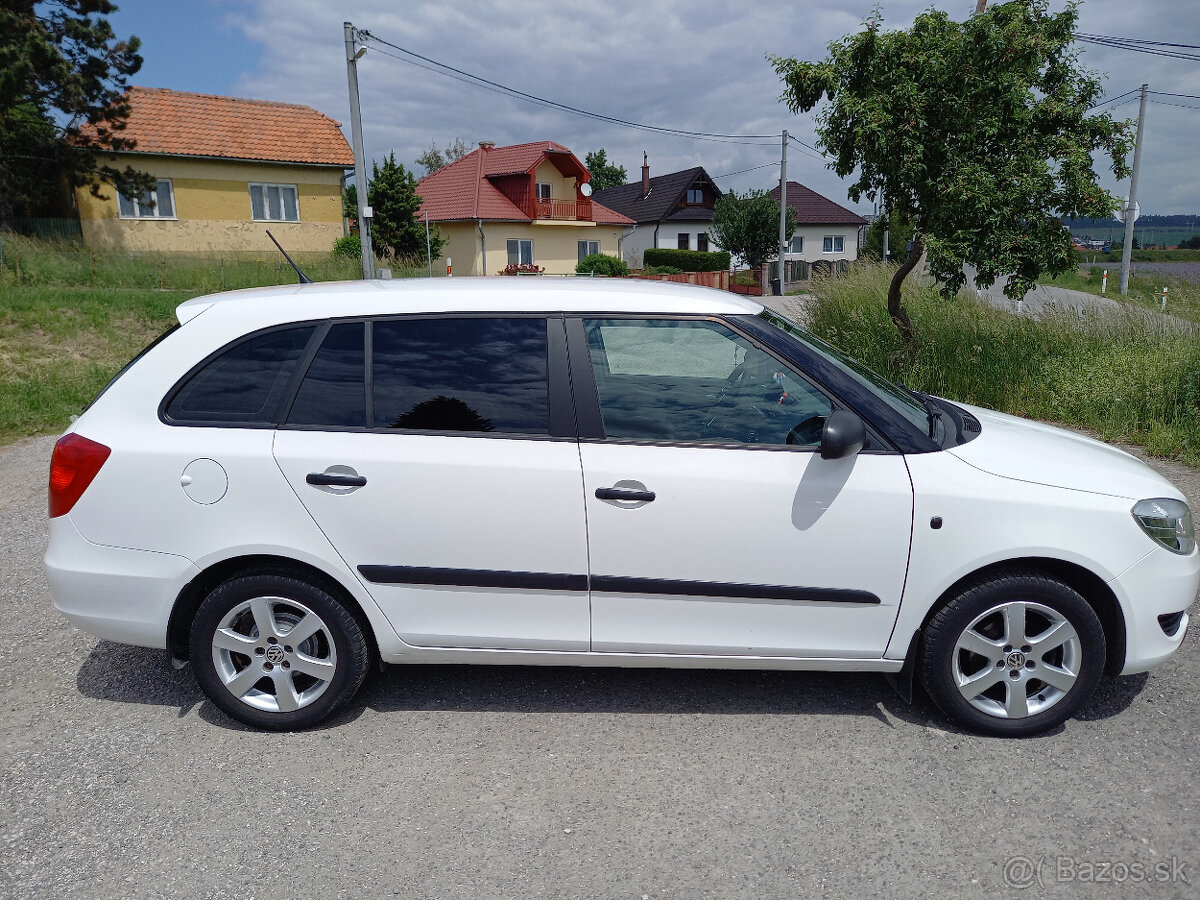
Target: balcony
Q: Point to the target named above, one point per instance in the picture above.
(570, 210)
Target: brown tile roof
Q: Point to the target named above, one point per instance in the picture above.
(814, 209)
(177, 123)
(463, 189)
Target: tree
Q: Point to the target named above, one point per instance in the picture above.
(748, 226)
(434, 159)
(61, 63)
(1192, 243)
(977, 131)
(395, 230)
(604, 174)
(350, 204)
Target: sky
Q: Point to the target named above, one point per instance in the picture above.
(694, 65)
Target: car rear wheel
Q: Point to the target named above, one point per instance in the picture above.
(277, 652)
(1015, 654)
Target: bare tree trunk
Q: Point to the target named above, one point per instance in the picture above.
(979, 7)
(895, 306)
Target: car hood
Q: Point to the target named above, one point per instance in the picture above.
(1011, 447)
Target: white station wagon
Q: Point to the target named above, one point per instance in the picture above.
(297, 483)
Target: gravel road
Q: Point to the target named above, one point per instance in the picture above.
(120, 780)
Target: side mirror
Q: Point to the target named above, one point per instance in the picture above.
(843, 435)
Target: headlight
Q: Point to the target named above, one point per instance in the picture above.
(1167, 521)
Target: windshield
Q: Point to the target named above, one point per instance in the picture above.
(900, 399)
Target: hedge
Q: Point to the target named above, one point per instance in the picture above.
(601, 264)
(687, 260)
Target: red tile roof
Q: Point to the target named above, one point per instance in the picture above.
(463, 190)
(813, 209)
(177, 123)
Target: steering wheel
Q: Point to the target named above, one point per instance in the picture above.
(808, 432)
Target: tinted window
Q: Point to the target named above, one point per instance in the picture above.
(467, 374)
(332, 393)
(245, 384)
(694, 381)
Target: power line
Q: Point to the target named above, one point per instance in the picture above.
(496, 87)
(1112, 37)
(1154, 48)
(1167, 94)
(1111, 99)
(744, 171)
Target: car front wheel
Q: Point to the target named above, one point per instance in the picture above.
(277, 652)
(1014, 655)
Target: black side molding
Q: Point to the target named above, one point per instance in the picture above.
(537, 581)
(612, 584)
(616, 584)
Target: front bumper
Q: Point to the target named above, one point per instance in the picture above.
(1158, 584)
(114, 593)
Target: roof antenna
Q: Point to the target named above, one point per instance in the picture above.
(304, 279)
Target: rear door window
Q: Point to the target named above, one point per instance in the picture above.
(468, 374)
(333, 394)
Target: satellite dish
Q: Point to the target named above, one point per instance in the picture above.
(585, 189)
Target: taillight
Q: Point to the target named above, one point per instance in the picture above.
(74, 464)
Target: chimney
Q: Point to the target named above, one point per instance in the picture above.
(486, 145)
(645, 175)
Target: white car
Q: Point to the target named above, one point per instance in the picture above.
(296, 483)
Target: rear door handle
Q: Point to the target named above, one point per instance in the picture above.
(335, 480)
(612, 493)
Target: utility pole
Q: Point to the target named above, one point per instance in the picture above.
(360, 164)
(1131, 203)
(782, 213)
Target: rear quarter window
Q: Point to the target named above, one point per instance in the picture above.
(243, 384)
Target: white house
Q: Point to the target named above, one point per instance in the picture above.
(827, 235)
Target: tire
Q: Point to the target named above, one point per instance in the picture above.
(243, 627)
(1012, 655)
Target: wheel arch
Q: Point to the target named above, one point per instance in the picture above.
(1088, 584)
(183, 613)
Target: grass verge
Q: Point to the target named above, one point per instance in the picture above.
(59, 346)
(1111, 373)
(1183, 297)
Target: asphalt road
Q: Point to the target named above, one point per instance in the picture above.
(120, 780)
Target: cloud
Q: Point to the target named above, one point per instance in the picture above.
(690, 64)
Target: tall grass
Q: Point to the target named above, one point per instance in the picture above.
(1123, 375)
(28, 261)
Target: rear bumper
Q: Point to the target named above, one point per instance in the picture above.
(114, 593)
(1159, 584)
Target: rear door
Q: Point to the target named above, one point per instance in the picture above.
(438, 456)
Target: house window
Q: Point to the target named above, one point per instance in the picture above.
(797, 244)
(695, 197)
(683, 240)
(702, 241)
(543, 190)
(157, 203)
(587, 248)
(833, 244)
(520, 253)
(274, 203)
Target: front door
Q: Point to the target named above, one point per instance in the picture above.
(714, 526)
(437, 480)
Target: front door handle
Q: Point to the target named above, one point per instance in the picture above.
(334, 479)
(615, 493)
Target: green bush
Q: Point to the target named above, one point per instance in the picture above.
(601, 264)
(687, 260)
(349, 246)
(662, 270)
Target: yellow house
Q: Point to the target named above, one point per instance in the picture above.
(226, 170)
(522, 205)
